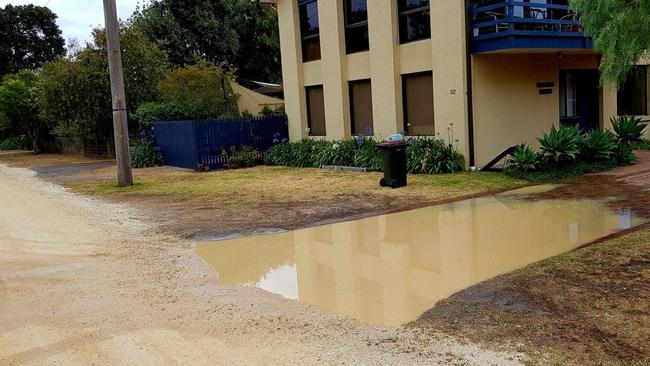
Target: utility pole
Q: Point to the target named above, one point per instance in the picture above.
(120, 123)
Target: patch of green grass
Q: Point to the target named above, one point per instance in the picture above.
(572, 170)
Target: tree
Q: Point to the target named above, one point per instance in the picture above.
(76, 95)
(29, 37)
(239, 35)
(621, 33)
(18, 102)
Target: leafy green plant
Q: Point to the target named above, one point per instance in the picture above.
(560, 145)
(643, 145)
(628, 129)
(340, 153)
(368, 155)
(524, 158)
(433, 156)
(244, 157)
(598, 145)
(145, 155)
(624, 154)
(547, 172)
(15, 143)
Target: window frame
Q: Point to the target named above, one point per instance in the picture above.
(352, 118)
(405, 101)
(310, 37)
(646, 97)
(403, 38)
(308, 88)
(353, 26)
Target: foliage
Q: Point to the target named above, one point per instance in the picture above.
(240, 35)
(620, 30)
(547, 172)
(5, 124)
(433, 156)
(425, 155)
(145, 155)
(203, 86)
(18, 102)
(624, 154)
(628, 129)
(15, 143)
(560, 145)
(76, 96)
(525, 158)
(598, 145)
(643, 145)
(244, 157)
(29, 37)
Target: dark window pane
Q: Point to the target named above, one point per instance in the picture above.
(418, 104)
(412, 4)
(356, 11)
(311, 49)
(414, 26)
(356, 39)
(316, 110)
(309, 31)
(633, 95)
(356, 26)
(361, 107)
(309, 19)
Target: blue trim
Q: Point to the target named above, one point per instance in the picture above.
(495, 27)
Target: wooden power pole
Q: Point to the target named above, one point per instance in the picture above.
(120, 123)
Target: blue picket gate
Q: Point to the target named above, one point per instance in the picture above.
(190, 144)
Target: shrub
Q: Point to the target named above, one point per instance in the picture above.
(550, 172)
(145, 155)
(425, 155)
(624, 154)
(628, 129)
(15, 143)
(244, 157)
(172, 111)
(598, 145)
(560, 145)
(524, 158)
(368, 155)
(432, 156)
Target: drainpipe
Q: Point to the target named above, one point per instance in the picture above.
(468, 62)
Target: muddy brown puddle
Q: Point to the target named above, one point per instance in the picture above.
(387, 270)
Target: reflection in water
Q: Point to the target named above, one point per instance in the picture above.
(388, 270)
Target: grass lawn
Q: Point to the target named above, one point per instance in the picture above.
(260, 185)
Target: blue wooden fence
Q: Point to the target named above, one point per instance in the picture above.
(189, 144)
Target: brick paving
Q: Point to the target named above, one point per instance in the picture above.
(627, 187)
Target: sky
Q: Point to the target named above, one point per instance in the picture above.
(78, 17)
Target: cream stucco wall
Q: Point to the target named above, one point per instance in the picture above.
(508, 108)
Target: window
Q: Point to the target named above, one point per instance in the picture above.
(309, 30)
(568, 95)
(417, 92)
(361, 107)
(315, 110)
(414, 20)
(356, 26)
(633, 95)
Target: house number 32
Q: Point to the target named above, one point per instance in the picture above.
(452, 91)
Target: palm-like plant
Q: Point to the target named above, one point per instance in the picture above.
(598, 145)
(524, 158)
(628, 129)
(560, 145)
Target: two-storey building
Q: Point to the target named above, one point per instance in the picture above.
(501, 72)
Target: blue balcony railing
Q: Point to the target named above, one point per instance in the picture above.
(538, 24)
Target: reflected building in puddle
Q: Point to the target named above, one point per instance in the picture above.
(388, 270)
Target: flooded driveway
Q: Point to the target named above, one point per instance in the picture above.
(388, 270)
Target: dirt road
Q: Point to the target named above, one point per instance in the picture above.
(86, 282)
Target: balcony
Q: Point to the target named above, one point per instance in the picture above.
(543, 25)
